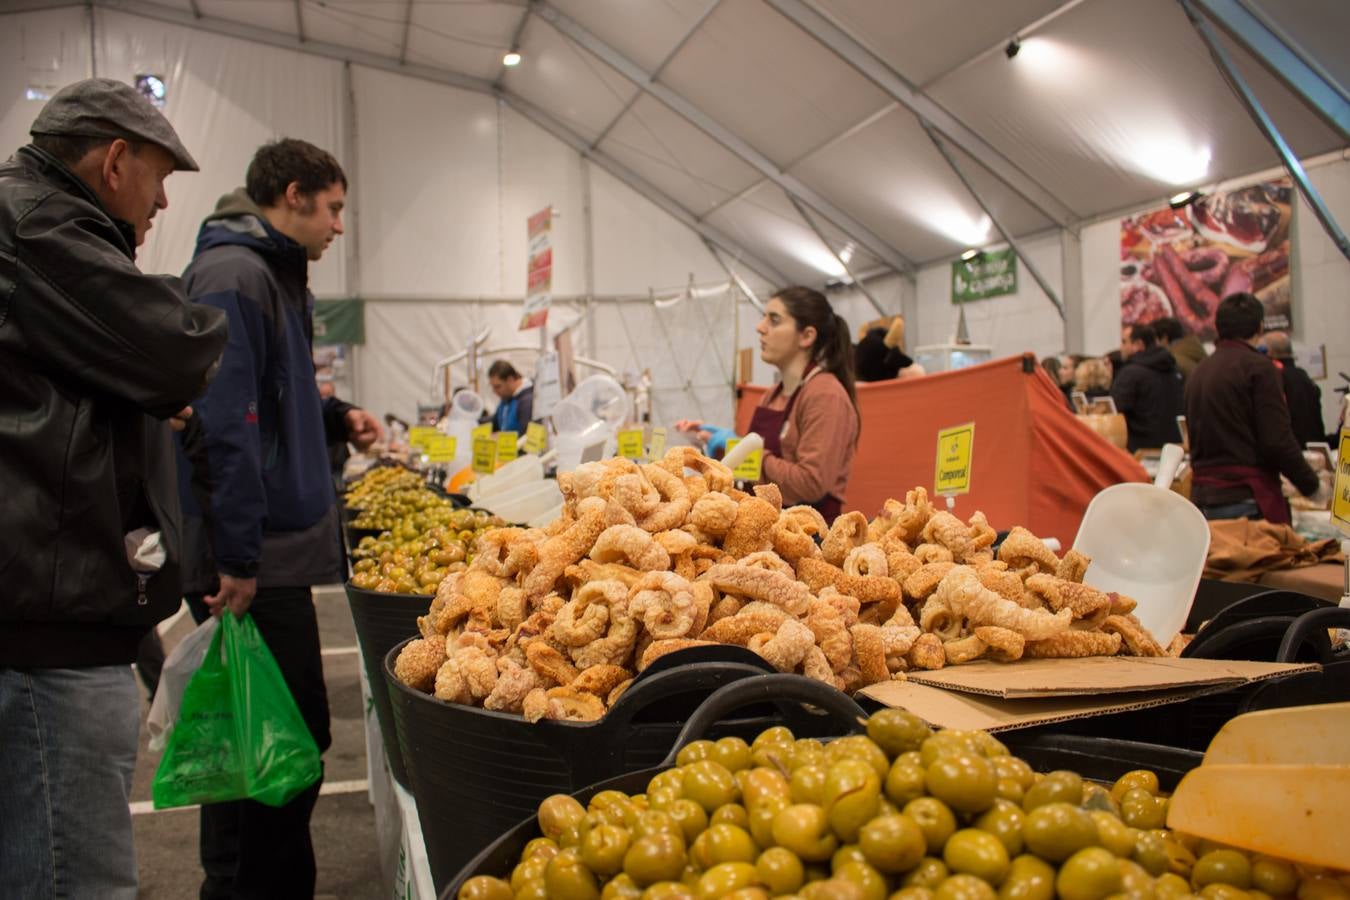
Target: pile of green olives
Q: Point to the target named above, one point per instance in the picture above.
(901, 813)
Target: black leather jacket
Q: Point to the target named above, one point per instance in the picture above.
(92, 353)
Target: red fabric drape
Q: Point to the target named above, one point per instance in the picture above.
(1034, 463)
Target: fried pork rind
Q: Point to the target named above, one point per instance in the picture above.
(675, 502)
(926, 578)
(615, 694)
(600, 680)
(585, 618)
(869, 649)
(513, 683)
(616, 647)
(1122, 604)
(669, 606)
(753, 529)
(949, 531)
(770, 494)
(1086, 603)
(590, 570)
(566, 704)
(927, 554)
(794, 532)
(1137, 640)
(760, 584)
(716, 475)
(1027, 554)
(1073, 566)
(997, 578)
(830, 625)
(847, 532)
(535, 705)
(713, 514)
(786, 648)
(816, 665)
(565, 549)
(1074, 644)
(657, 649)
(910, 521)
(865, 560)
(752, 619)
(880, 527)
(927, 653)
(963, 594)
(963, 650)
(630, 545)
(549, 663)
(1005, 645)
(900, 562)
(419, 661)
(767, 559)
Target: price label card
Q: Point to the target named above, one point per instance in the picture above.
(630, 444)
(440, 449)
(658, 444)
(954, 445)
(506, 447)
(1340, 500)
(484, 455)
(751, 467)
(482, 431)
(536, 438)
(421, 435)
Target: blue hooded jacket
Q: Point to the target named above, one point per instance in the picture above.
(254, 476)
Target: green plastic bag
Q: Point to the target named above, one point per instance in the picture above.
(239, 733)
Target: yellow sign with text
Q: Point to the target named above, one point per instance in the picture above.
(536, 439)
(507, 444)
(954, 445)
(421, 435)
(658, 444)
(440, 449)
(1340, 500)
(484, 455)
(751, 467)
(482, 431)
(630, 444)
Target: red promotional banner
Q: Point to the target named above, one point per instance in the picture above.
(1182, 262)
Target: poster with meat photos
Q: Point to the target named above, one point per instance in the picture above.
(1182, 262)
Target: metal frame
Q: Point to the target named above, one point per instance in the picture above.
(806, 17)
(1263, 121)
(299, 21)
(856, 230)
(407, 32)
(811, 223)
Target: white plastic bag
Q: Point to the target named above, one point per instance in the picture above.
(179, 668)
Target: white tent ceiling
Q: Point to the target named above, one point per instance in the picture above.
(723, 106)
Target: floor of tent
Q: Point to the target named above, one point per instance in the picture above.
(343, 826)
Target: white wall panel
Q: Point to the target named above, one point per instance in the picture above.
(39, 50)
(225, 98)
(427, 161)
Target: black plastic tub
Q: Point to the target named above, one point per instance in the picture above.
(1094, 758)
(476, 773)
(383, 620)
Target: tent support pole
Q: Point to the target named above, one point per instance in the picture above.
(734, 276)
(806, 215)
(1007, 235)
(1263, 121)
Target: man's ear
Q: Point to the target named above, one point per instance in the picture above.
(294, 198)
(115, 160)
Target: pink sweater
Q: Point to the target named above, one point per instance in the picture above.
(819, 443)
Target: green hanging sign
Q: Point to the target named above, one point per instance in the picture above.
(339, 322)
(987, 275)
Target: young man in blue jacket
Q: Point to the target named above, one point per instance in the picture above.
(260, 511)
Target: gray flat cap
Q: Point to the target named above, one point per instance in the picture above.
(105, 107)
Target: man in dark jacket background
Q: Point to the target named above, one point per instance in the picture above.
(1185, 348)
(260, 510)
(1241, 440)
(95, 357)
(515, 393)
(1147, 389)
(1300, 391)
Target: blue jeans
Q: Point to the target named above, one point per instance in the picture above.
(67, 752)
(1246, 509)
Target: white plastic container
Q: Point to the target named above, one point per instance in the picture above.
(524, 469)
(525, 502)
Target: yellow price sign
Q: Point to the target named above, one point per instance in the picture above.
(751, 467)
(657, 449)
(536, 439)
(422, 435)
(1340, 500)
(630, 444)
(482, 431)
(440, 449)
(507, 447)
(484, 455)
(952, 473)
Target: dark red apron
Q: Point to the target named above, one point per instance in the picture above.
(770, 423)
(1264, 485)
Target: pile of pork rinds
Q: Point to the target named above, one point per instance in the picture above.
(650, 559)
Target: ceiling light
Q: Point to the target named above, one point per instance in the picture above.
(1184, 199)
(512, 58)
(1013, 48)
(969, 255)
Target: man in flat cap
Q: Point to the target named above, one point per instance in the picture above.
(95, 358)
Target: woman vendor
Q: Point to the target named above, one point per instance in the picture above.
(810, 420)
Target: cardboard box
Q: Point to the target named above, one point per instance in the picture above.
(999, 696)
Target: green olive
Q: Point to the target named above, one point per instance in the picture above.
(1170, 886)
(808, 783)
(804, 829)
(655, 857)
(484, 887)
(857, 746)
(779, 869)
(724, 878)
(733, 753)
(1150, 851)
(831, 889)
(1056, 787)
(1222, 867)
(1010, 789)
(1055, 831)
(1319, 887)
(896, 731)
(872, 882)
(730, 814)
(914, 892)
(942, 743)
(935, 820)
(656, 821)
(893, 843)
(1140, 809)
(559, 812)
(852, 796)
(1114, 834)
(807, 751)
(546, 847)
(1004, 821)
(1219, 891)
(1029, 878)
(1141, 779)
(929, 873)
(1092, 873)
(1134, 881)
(727, 843)
(1014, 768)
(964, 887)
(709, 784)
(761, 820)
(761, 783)
(904, 782)
(620, 887)
(975, 852)
(1273, 876)
(567, 878)
(691, 818)
(533, 890)
(963, 781)
(531, 868)
(846, 853)
(694, 751)
(603, 848)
